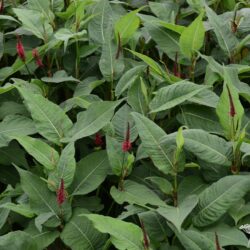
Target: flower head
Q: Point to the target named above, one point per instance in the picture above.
(20, 49)
(126, 145)
(98, 140)
(232, 111)
(60, 194)
(37, 58)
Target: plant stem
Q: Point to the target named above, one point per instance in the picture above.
(77, 60)
(107, 244)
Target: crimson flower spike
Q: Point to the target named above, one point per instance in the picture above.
(98, 140)
(37, 58)
(1, 6)
(20, 49)
(146, 241)
(232, 111)
(126, 145)
(60, 194)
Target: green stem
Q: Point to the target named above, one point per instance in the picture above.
(27, 68)
(107, 244)
(77, 60)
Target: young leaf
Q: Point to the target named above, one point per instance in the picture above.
(127, 25)
(192, 37)
(124, 235)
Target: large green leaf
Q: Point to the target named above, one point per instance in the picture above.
(15, 125)
(65, 168)
(195, 240)
(151, 134)
(100, 27)
(177, 215)
(91, 171)
(135, 193)
(50, 120)
(79, 233)
(128, 78)
(192, 37)
(41, 151)
(17, 240)
(110, 64)
(239, 210)
(207, 147)
(173, 95)
(226, 39)
(22, 209)
(4, 212)
(91, 121)
(124, 235)
(41, 199)
(219, 197)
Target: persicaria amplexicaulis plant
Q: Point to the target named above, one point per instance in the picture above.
(37, 58)
(1, 6)
(232, 111)
(98, 140)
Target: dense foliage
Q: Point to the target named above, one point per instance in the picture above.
(124, 124)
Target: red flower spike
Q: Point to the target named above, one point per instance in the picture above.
(146, 241)
(217, 244)
(20, 49)
(60, 194)
(126, 145)
(232, 111)
(98, 140)
(36, 56)
(1, 6)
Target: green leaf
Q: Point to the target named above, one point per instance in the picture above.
(50, 120)
(127, 25)
(91, 121)
(100, 27)
(34, 22)
(223, 107)
(195, 240)
(15, 125)
(65, 168)
(173, 95)
(192, 37)
(91, 171)
(41, 199)
(239, 210)
(4, 212)
(42, 239)
(151, 63)
(226, 39)
(128, 78)
(60, 76)
(162, 183)
(151, 134)
(17, 240)
(216, 200)
(227, 235)
(110, 65)
(135, 193)
(205, 146)
(79, 233)
(22, 209)
(124, 235)
(177, 215)
(41, 151)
